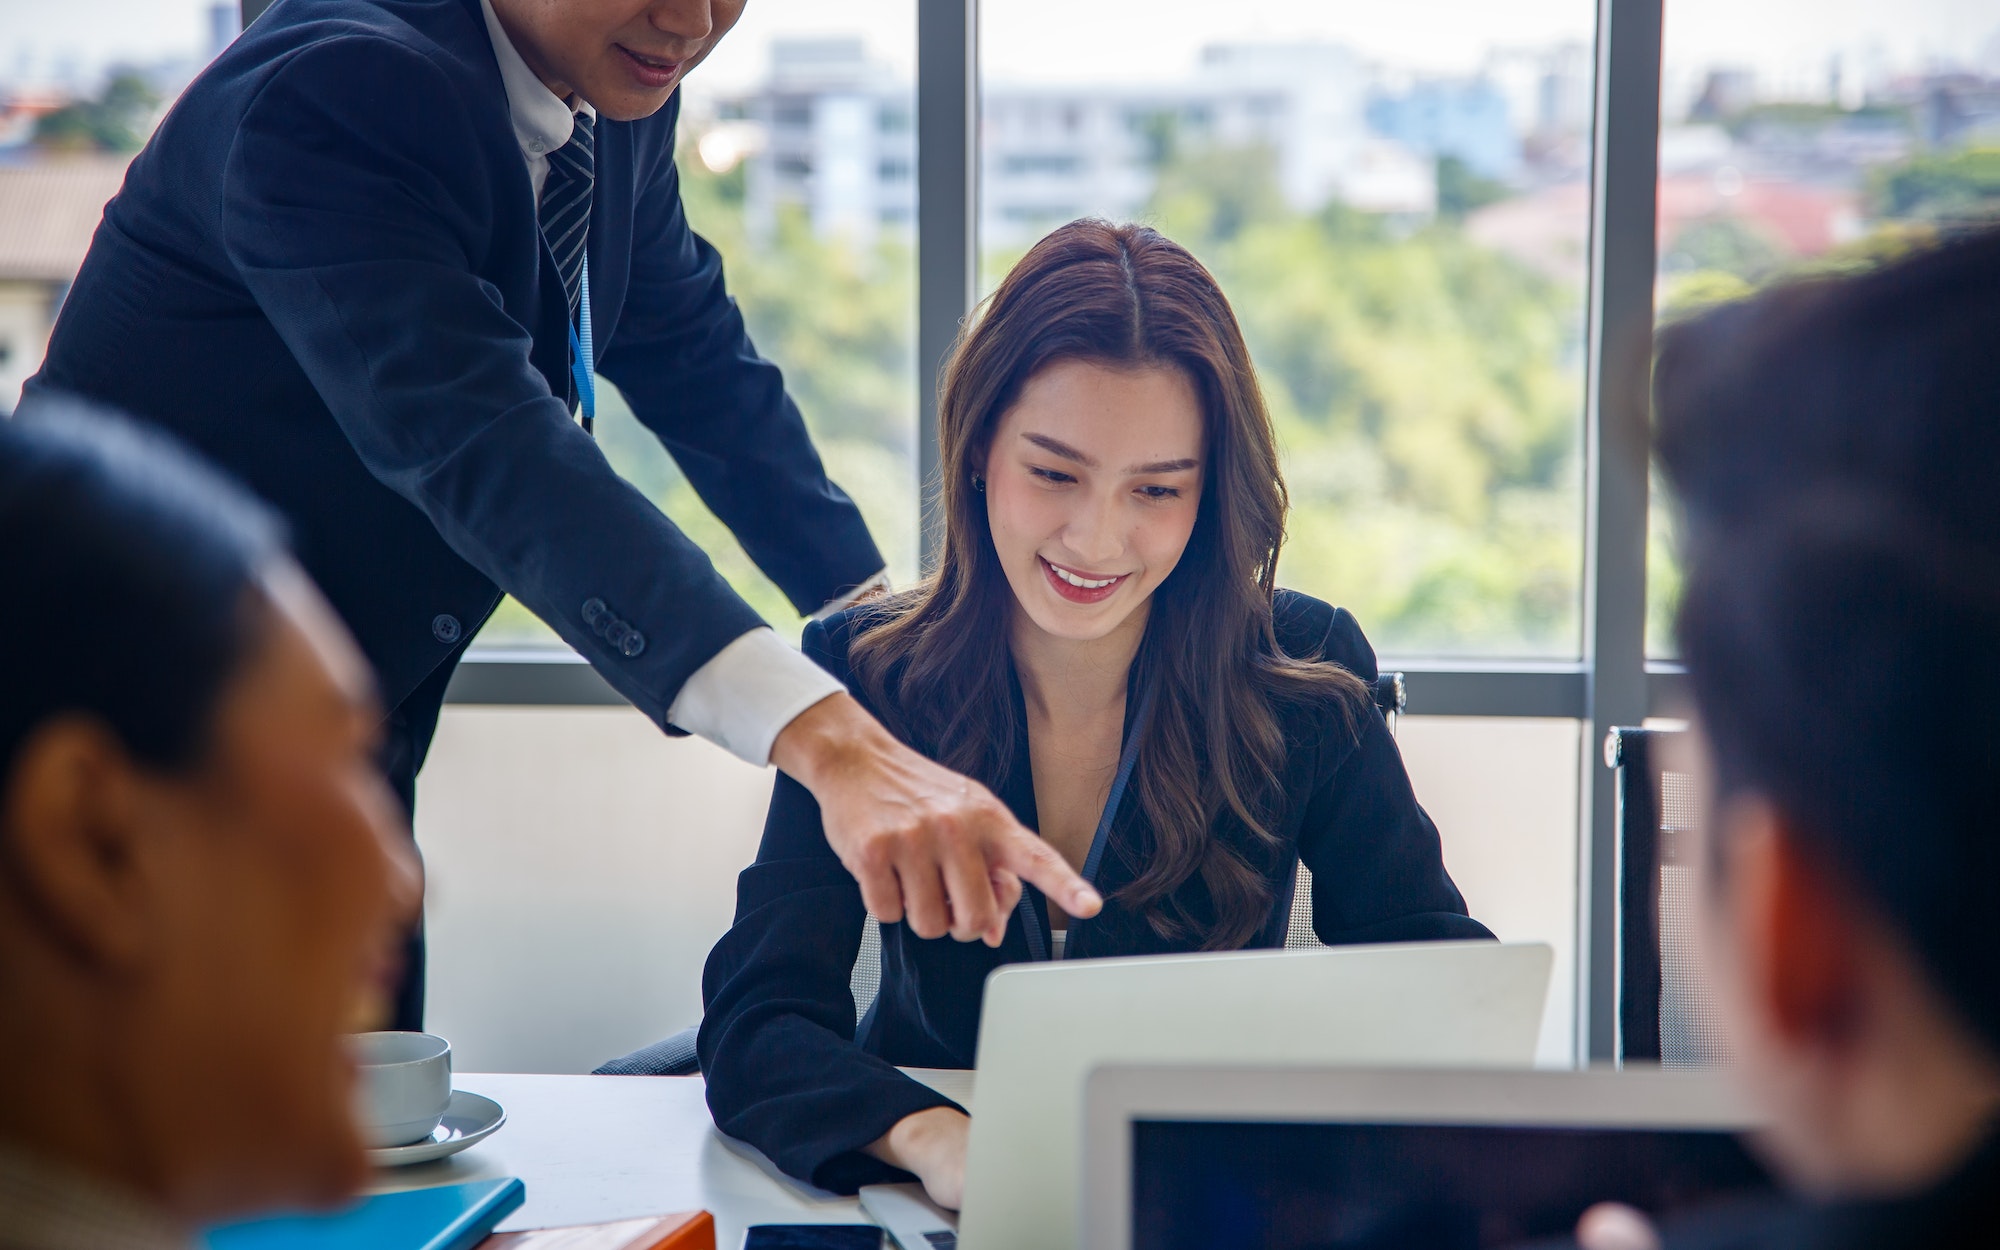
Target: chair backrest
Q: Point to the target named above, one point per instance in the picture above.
(1665, 1011)
(1391, 696)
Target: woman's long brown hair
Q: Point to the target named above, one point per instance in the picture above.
(935, 660)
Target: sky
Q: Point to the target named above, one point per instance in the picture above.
(40, 36)
(1084, 40)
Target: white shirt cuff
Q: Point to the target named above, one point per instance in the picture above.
(878, 582)
(743, 698)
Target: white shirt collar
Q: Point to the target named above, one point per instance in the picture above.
(542, 119)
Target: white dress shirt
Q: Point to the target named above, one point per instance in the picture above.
(754, 687)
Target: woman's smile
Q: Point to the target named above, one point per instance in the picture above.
(1080, 587)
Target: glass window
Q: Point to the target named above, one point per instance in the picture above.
(81, 88)
(1799, 137)
(1396, 200)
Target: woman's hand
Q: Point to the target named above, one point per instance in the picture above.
(930, 1143)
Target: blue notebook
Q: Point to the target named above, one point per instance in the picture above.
(449, 1217)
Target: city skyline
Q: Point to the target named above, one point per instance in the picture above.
(1059, 40)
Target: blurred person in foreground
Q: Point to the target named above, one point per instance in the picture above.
(1836, 447)
(203, 882)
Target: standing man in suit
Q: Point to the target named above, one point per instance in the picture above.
(371, 262)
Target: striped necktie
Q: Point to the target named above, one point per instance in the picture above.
(565, 207)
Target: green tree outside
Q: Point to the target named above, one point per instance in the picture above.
(1461, 191)
(840, 320)
(1910, 205)
(1427, 397)
(1955, 189)
(1426, 391)
(118, 120)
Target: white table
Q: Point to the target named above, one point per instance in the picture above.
(594, 1148)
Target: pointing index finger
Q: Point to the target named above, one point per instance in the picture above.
(1037, 863)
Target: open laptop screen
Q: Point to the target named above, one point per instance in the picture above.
(1332, 1186)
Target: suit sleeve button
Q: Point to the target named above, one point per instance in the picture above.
(445, 627)
(593, 611)
(635, 642)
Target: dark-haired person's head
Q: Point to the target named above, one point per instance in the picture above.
(1835, 445)
(202, 879)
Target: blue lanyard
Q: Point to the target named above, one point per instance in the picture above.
(583, 355)
(1031, 916)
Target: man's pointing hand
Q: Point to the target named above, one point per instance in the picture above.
(928, 846)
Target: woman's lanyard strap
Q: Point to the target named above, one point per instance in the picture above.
(1031, 916)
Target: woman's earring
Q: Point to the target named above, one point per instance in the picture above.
(979, 483)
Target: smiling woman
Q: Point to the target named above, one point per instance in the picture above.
(1104, 647)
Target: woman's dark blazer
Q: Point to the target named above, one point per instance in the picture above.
(789, 1072)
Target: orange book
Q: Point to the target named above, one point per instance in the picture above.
(687, 1230)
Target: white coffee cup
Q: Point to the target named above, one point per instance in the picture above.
(404, 1088)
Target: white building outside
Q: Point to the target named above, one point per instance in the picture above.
(831, 133)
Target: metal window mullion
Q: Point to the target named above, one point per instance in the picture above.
(1624, 177)
(947, 218)
(552, 677)
(1521, 691)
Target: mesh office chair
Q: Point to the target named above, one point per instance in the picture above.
(675, 1055)
(1665, 1013)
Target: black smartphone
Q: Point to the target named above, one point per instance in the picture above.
(813, 1237)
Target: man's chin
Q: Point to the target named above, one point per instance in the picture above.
(630, 105)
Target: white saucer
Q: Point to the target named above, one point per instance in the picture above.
(467, 1119)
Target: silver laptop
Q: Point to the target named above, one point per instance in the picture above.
(1266, 1158)
(909, 1217)
(1046, 1025)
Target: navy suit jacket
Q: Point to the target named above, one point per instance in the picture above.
(325, 271)
(789, 1071)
